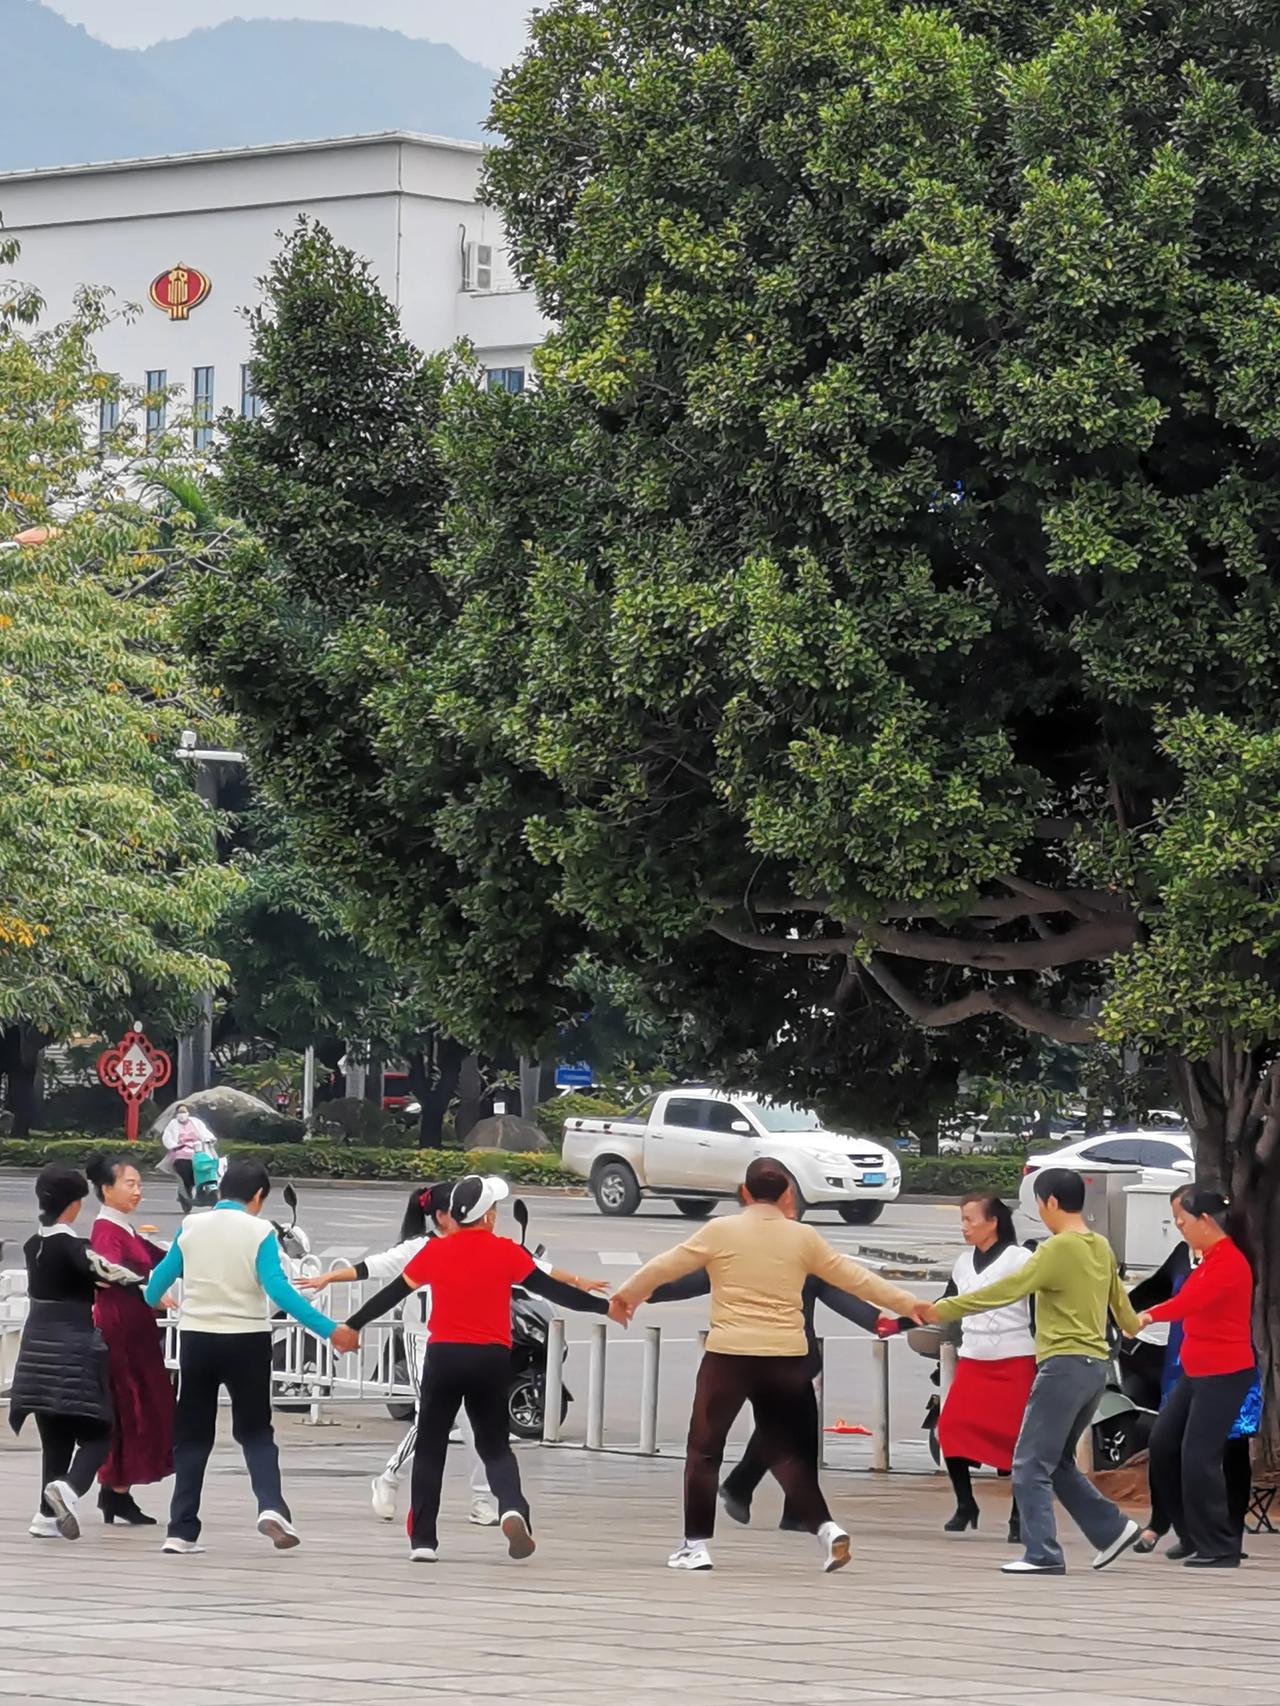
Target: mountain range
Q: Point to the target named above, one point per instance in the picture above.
(69, 98)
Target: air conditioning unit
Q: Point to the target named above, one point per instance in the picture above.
(477, 266)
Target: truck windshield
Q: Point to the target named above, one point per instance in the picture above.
(785, 1116)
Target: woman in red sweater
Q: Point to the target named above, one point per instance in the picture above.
(1215, 1307)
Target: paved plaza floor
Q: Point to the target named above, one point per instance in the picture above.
(918, 1617)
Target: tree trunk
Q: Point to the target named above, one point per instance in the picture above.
(1232, 1103)
(434, 1082)
(20, 1050)
(470, 1099)
(530, 1085)
(927, 1132)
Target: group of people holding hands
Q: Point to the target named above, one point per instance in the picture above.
(1032, 1365)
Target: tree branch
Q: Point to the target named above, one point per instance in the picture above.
(1090, 941)
(811, 945)
(1011, 1004)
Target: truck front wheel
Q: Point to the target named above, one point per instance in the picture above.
(614, 1187)
(861, 1213)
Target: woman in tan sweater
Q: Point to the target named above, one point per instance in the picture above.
(757, 1353)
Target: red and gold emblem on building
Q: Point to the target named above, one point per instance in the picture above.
(179, 290)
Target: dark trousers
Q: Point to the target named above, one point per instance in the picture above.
(477, 1376)
(1237, 1474)
(73, 1449)
(780, 1391)
(206, 1363)
(1186, 1460)
(751, 1468)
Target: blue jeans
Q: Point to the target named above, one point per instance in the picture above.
(1060, 1408)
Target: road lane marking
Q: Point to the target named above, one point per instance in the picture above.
(618, 1258)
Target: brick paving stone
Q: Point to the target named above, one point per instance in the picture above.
(596, 1616)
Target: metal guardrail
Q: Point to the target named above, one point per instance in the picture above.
(646, 1440)
(308, 1373)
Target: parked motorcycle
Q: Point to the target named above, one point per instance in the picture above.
(531, 1319)
(295, 1249)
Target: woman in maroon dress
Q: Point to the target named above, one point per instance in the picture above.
(142, 1394)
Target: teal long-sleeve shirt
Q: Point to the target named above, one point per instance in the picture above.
(271, 1277)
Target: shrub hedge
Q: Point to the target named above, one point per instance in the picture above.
(315, 1160)
(953, 1175)
(578, 1105)
(944, 1175)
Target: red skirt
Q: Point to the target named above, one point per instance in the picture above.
(983, 1409)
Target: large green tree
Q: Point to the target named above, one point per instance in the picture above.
(109, 884)
(886, 569)
(329, 639)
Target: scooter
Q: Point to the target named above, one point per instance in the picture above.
(531, 1319)
(295, 1248)
(207, 1168)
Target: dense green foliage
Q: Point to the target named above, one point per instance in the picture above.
(109, 884)
(332, 642)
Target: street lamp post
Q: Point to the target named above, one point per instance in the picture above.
(195, 1048)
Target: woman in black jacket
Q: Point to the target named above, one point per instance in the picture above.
(61, 1372)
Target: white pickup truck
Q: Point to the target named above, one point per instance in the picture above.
(694, 1146)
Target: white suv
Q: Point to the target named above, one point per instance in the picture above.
(1165, 1158)
(694, 1146)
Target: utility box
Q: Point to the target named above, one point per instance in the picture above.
(1150, 1232)
(1105, 1205)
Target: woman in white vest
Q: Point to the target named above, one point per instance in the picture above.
(983, 1408)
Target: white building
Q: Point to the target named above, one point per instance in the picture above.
(188, 237)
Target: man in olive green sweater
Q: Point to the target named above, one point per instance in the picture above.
(1074, 1280)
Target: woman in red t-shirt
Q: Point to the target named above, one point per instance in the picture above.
(468, 1358)
(1215, 1307)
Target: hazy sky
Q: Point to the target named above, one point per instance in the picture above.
(490, 31)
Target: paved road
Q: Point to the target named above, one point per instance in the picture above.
(351, 1220)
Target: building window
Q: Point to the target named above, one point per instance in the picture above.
(202, 408)
(157, 384)
(250, 402)
(509, 379)
(108, 417)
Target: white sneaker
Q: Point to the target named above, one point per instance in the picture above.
(44, 1527)
(1123, 1541)
(424, 1555)
(62, 1496)
(185, 1548)
(383, 1499)
(835, 1542)
(520, 1543)
(279, 1531)
(691, 1555)
(1024, 1567)
(484, 1513)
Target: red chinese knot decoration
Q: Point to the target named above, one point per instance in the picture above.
(133, 1068)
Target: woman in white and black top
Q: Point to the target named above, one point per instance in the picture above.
(983, 1409)
(61, 1373)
